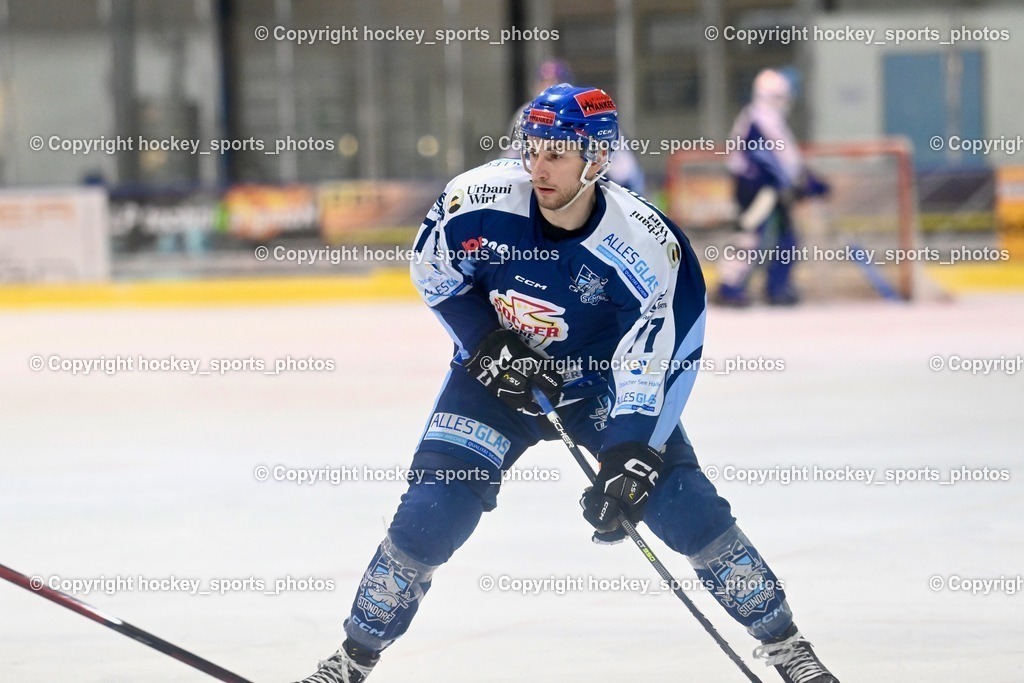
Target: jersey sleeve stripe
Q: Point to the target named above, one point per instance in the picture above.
(677, 394)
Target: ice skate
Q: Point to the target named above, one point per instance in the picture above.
(350, 664)
(794, 659)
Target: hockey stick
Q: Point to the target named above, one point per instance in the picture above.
(556, 421)
(35, 585)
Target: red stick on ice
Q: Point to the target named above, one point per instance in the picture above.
(37, 586)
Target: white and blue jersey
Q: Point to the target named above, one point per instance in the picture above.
(770, 156)
(621, 299)
(619, 304)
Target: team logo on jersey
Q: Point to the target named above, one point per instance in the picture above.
(589, 286)
(741, 580)
(601, 413)
(539, 322)
(455, 203)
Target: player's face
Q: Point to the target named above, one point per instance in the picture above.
(555, 169)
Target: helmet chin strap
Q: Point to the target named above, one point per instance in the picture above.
(586, 183)
(583, 175)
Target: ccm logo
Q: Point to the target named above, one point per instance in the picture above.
(520, 278)
(642, 470)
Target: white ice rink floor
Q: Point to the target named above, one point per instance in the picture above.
(152, 475)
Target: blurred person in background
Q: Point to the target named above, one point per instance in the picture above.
(770, 177)
(625, 167)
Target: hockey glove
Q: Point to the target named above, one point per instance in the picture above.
(623, 485)
(510, 369)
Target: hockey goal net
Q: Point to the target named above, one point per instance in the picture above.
(860, 241)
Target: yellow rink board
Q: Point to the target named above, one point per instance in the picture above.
(381, 285)
(969, 278)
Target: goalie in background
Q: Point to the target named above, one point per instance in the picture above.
(770, 176)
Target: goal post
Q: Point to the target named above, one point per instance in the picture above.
(872, 207)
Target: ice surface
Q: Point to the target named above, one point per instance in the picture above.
(152, 474)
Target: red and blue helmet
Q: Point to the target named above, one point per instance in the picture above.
(584, 115)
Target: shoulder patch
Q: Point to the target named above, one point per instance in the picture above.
(673, 254)
(457, 199)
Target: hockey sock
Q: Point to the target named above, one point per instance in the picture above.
(388, 597)
(745, 586)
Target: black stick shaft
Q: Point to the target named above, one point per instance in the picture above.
(631, 531)
(35, 585)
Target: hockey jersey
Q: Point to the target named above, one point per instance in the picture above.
(619, 304)
(770, 155)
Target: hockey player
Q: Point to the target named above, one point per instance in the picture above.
(548, 277)
(770, 177)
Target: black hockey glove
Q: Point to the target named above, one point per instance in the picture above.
(510, 369)
(628, 473)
